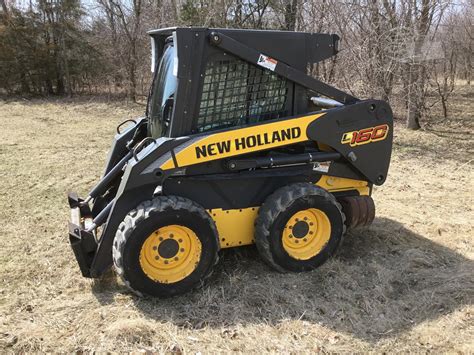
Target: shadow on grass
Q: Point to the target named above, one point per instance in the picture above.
(384, 280)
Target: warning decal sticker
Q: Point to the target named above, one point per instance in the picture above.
(267, 62)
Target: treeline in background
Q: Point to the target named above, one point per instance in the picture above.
(413, 53)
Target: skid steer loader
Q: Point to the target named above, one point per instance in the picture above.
(238, 146)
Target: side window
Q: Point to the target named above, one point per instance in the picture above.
(237, 93)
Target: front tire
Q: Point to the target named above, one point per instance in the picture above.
(299, 227)
(165, 247)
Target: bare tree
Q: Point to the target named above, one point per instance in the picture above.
(125, 21)
(462, 30)
(444, 72)
(422, 17)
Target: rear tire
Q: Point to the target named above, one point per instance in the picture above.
(165, 247)
(299, 227)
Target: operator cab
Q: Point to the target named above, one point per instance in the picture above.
(210, 90)
(199, 87)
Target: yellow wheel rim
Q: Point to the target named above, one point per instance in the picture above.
(306, 233)
(170, 254)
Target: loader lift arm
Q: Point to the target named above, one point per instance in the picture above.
(252, 55)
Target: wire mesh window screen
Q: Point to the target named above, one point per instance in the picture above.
(236, 93)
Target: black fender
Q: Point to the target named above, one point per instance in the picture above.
(370, 123)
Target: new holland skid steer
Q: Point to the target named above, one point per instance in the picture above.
(239, 145)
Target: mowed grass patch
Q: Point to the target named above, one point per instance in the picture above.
(404, 284)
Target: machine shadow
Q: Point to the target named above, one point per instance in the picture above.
(384, 280)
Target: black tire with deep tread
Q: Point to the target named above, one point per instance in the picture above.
(272, 212)
(141, 221)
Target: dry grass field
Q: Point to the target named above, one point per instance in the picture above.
(404, 284)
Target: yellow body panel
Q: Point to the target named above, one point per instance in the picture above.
(244, 140)
(236, 227)
(333, 184)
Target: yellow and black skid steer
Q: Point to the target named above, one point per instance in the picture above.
(238, 146)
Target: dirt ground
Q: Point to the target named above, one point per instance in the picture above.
(404, 284)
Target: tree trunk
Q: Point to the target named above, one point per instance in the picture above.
(49, 86)
(132, 92)
(413, 119)
(417, 70)
(468, 67)
(238, 14)
(132, 89)
(290, 14)
(60, 85)
(445, 107)
(63, 54)
(415, 97)
(4, 8)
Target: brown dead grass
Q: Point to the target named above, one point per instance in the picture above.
(404, 284)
